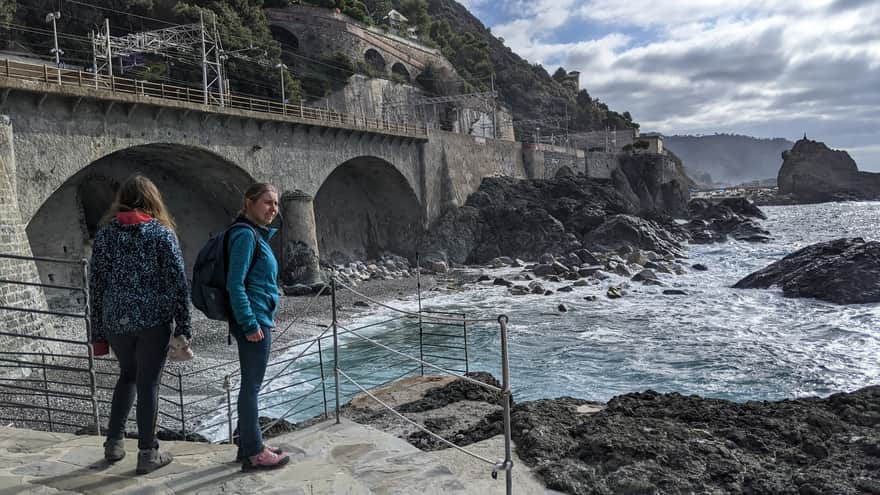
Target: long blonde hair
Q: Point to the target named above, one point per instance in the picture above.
(138, 193)
(253, 193)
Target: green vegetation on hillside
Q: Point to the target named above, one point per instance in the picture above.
(477, 55)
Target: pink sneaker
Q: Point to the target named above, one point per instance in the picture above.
(265, 460)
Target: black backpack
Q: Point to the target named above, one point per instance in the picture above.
(209, 294)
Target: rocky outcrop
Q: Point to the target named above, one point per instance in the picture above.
(843, 271)
(670, 443)
(713, 221)
(527, 218)
(813, 173)
(656, 183)
(627, 230)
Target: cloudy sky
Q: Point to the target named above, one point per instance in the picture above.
(767, 68)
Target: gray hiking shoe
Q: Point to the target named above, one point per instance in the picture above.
(114, 450)
(151, 459)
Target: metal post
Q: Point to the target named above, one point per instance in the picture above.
(281, 68)
(228, 388)
(217, 61)
(182, 412)
(323, 383)
(53, 17)
(109, 54)
(205, 74)
(46, 388)
(421, 330)
(335, 344)
(464, 331)
(93, 382)
(505, 392)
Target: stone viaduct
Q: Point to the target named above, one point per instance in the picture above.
(347, 191)
(320, 30)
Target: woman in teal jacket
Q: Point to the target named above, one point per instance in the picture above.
(253, 293)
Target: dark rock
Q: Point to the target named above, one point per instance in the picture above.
(562, 308)
(484, 278)
(536, 287)
(590, 298)
(547, 259)
(675, 292)
(699, 267)
(669, 443)
(559, 268)
(565, 288)
(813, 173)
(586, 256)
(361, 304)
(519, 290)
(843, 271)
(543, 270)
(501, 281)
(572, 276)
(600, 275)
(614, 293)
(586, 271)
(456, 391)
(554, 278)
(715, 221)
(548, 292)
(627, 230)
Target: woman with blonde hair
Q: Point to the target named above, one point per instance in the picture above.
(137, 289)
(252, 283)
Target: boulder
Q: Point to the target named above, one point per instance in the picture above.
(519, 290)
(562, 308)
(635, 232)
(674, 292)
(646, 274)
(699, 267)
(544, 270)
(565, 288)
(843, 271)
(501, 281)
(614, 293)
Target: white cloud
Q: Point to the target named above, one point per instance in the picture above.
(772, 67)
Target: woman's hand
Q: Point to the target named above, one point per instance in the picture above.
(255, 337)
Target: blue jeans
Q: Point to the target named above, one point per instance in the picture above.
(253, 358)
(141, 357)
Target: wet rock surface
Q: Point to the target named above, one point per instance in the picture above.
(813, 173)
(716, 221)
(669, 443)
(843, 271)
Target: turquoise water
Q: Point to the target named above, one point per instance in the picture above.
(716, 342)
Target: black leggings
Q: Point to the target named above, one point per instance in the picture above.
(141, 357)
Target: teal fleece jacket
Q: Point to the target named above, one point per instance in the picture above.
(254, 295)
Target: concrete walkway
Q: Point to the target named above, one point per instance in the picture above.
(345, 459)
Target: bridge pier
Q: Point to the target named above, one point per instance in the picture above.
(299, 239)
(14, 241)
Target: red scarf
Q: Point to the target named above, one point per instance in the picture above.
(132, 217)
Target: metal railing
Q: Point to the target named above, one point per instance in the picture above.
(303, 376)
(105, 85)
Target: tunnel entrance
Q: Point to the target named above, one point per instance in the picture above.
(202, 192)
(366, 208)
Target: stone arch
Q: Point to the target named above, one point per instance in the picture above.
(375, 59)
(201, 189)
(564, 171)
(365, 208)
(400, 70)
(288, 40)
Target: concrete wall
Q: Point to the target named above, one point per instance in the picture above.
(609, 140)
(455, 165)
(370, 98)
(546, 162)
(14, 241)
(600, 164)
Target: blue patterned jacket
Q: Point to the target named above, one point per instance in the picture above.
(137, 280)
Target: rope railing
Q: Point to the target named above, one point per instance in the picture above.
(160, 91)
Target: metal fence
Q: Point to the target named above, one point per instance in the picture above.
(103, 84)
(70, 389)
